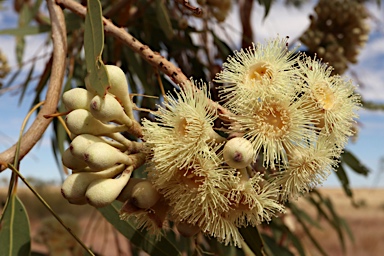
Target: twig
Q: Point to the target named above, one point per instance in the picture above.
(196, 10)
(153, 58)
(35, 132)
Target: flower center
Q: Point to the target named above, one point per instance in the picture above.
(259, 71)
(274, 121)
(190, 179)
(324, 95)
(181, 126)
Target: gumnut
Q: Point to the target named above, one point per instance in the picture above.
(144, 195)
(102, 192)
(77, 98)
(127, 190)
(119, 88)
(72, 162)
(238, 152)
(81, 121)
(100, 156)
(75, 185)
(108, 109)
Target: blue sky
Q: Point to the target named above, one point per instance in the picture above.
(281, 20)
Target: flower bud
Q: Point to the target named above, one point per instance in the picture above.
(102, 192)
(72, 162)
(77, 98)
(100, 156)
(144, 195)
(238, 152)
(108, 109)
(119, 87)
(75, 185)
(127, 190)
(81, 142)
(81, 121)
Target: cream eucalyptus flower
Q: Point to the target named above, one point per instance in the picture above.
(274, 125)
(308, 167)
(333, 97)
(183, 128)
(261, 66)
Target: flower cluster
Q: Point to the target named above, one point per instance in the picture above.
(286, 109)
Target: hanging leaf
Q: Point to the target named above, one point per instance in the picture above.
(344, 180)
(14, 230)
(139, 238)
(163, 19)
(26, 30)
(349, 159)
(253, 239)
(25, 84)
(274, 248)
(267, 5)
(93, 47)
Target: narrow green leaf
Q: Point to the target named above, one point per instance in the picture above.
(278, 224)
(139, 238)
(311, 237)
(14, 230)
(93, 34)
(336, 222)
(20, 45)
(93, 47)
(253, 239)
(163, 19)
(349, 159)
(25, 84)
(224, 49)
(305, 216)
(344, 180)
(26, 30)
(274, 248)
(267, 5)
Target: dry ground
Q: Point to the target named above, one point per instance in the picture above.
(366, 222)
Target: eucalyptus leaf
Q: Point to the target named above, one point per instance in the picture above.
(14, 230)
(344, 180)
(253, 239)
(349, 159)
(274, 248)
(163, 19)
(139, 238)
(93, 47)
(26, 30)
(267, 5)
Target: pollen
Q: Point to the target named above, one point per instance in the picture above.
(324, 95)
(260, 70)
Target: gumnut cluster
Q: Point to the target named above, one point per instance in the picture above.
(285, 112)
(337, 32)
(100, 157)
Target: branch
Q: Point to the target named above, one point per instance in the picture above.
(153, 58)
(35, 132)
(245, 9)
